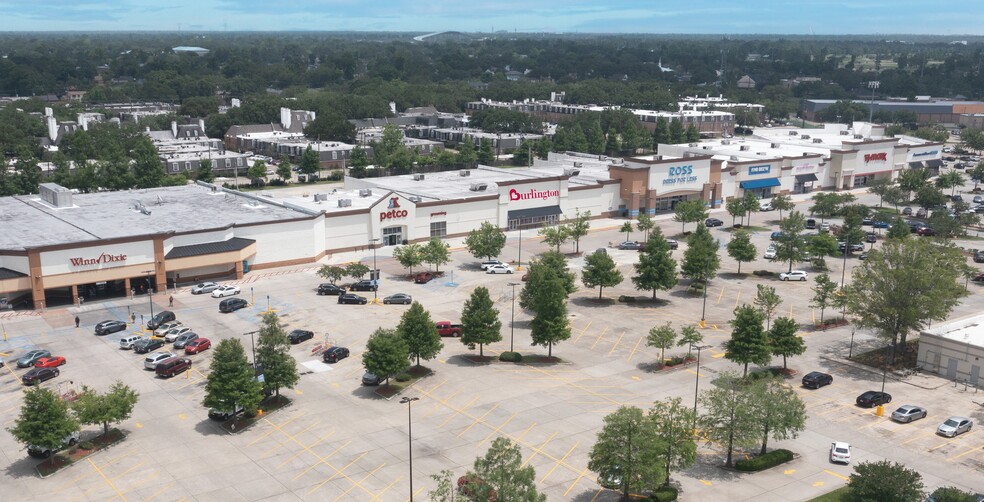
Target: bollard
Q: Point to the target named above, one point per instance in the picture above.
(187, 374)
(259, 413)
(880, 410)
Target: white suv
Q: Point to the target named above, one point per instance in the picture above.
(795, 275)
(840, 452)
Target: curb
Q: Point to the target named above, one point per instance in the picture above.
(110, 445)
(250, 426)
(874, 371)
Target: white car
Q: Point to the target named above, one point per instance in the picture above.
(152, 360)
(501, 268)
(795, 275)
(164, 328)
(766, 206)
(173, 333)
(840, 452)
(489, 263)
(223, 291)
(204, 287)
(770, 253)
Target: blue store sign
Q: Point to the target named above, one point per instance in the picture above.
(763, 169)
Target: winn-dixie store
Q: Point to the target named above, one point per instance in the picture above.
(657, 183)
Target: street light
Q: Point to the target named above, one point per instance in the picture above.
(375, 272)
(873, 84)
(697, 381)
(407, 401)
(512, 322)
(251, 344)
(703, 309)
(885, 366)
(519, 260)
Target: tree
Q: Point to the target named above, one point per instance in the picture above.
(486, 155)
(480, 322)
(672, 424)
(791, 246)
(409, 256)
(486, 241)
(332, 273)
(880, 187)
(766, 301)
(147, 166)
(735, 208)
(905, 285)
(661, 133)
(358, 162)
(555, 236)
(419, 332)
(645, 223)
(777, 410)
(231, 381)
(44, 420)
(885, 481)
(205, 172)
(929, 196)
(972, 138)
(661, 337)
(436, 253)
(691, 336)
(899, 230)
(550, 324)
(951, 494)
(446, 488)
(467, 156)
(783, 340)
(823, 293)
(386, 354)
(502, 471)
(728, 418)
(656, 269)
(689, 211)
(977, 174)
(283, 169)
(741, 248)
(692, 134)
(114, 406)
(700, 260)
(600, 270)
(677, 133)
(331, 126)
(356, 270)
(273, 355)
(579, 228)
(749, 341)
(550, 264)
(945, 226)
(257, 172)
(951, 180)
(824, 204)
(782, 203)
(310, 161)
(895, 196)
(750, 200)
(626, 229)
(627, 450)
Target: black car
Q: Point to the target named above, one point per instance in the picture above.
(330, 289)
(673, 243)
(906, 211)
(713, 222)
(364, 285)
(871, 237)
(160, 318)
(232, 304)
(352, 298)
(107, 327)
(335, 354)
(811, 223)
(873, 398)
(38, 375)
(979, 257)
(146, 345)
(299, 335)
(815, 380)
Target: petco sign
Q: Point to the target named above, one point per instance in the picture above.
(680, 174)
(99, 260)
(394, 210)
(871, 157)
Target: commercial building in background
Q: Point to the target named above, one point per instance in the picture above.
(927, 109)
(954, 350)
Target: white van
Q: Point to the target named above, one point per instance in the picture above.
(126, 343)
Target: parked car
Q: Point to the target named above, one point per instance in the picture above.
(775, 235)
(908, 413)
(146, 345)
(126, 343)
(352, 299)
(840, 452)
(197, 345)
(871, 237)
(170, 367)
(873, 398)
(863, 256)
(770, 253)
(164, 328)
(880, 224)
(181, 341)
(107, 327)
(160, 318)
(488, 263)
(795, 275)
(979, 257)
(501, 268)
(401, 298)
(42, 452)
(765, 205)
(335, 354)
(673, 243)
(811, 224)
(854, 247)
(371, 379)
(223, 415)
(866, 220)
(330, 289)
(921, 212)
(926, 232)
(299, 335)
(50, 362)
(954, 426)
(224, 291)
(38, 375)
(978, 199)
(28, 360)
(203, 287)
(156, 358)
(447, 328)
(423, 277)
(906, 211)
(713, 222)
(364, 285)
(173, 334)
(630, 245)
(232, 304)
(816, 379)
(824, 227)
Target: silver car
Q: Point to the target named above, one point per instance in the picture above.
(152, 360)
(174, 333)
(182, 340)
(205, 287)
(909, 413)
(168, 326)
(32, 357)
(955, 426)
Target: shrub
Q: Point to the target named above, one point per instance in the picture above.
(87, 445)
(403, 377)
(762, 462)
(664, 494)
(510, 357)
(278, 182)
(675, 360)
(626, 299)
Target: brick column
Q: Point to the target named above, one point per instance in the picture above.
(239, 269)
(634, 204)
(160, 271)
(651, 205)
(37, 281)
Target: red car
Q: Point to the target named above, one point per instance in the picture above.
(423, 277)
(197, 345)
(50, 362)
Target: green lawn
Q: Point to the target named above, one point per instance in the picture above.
(834, 496)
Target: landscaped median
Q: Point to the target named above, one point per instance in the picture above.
(241, 422)
(763, 462)
(403, 381)
(65, 458)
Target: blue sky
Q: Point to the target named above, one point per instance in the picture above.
(940, 17)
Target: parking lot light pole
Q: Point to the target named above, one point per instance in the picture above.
(703, 309)
(512, 321)
(251, 344)
(407, 401)
(375, 282)
(885, 366)
(519, 260)
(697, 381)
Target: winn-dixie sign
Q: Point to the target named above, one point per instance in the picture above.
(99, 260)
(533, 194)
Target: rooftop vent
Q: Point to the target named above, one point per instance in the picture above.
(318, 197)
(725, 141)
(745, 148)
(478, 187)
(858, 136)
(572, 172)
(818, 140)
(344, 202)
(805, 136)
(844, 133)
(464, 172)
(734, 158)
(706, 147)
(365, 192)
(774, 145)
(415, 198)
(418, 177)
(692, 145)
(578, 164)
(793, 133)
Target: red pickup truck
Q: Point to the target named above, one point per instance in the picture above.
(446, 328)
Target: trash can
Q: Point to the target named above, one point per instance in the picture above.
(880, 410)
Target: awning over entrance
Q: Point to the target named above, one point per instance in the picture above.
(6, 273)
(763, 183)
(534, 212)
(935, 163)
(806, 178)
(234, 244)
(916, 165)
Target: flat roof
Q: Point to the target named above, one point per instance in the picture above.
(29, 222)
(968, 330)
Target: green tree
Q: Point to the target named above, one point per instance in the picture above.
(750, 200)
(885, 481)
(661, 337)
(677, 133)
(741, 248)
(749, 341)
(823, 294)
(729, 418)
(972, 138)
(627, 450)
(911, 180)
(579, 228)
(391, 144)
(945, 226)
(929, 196)
(951, 494)
(951, 180)
(231, 381)
(436, 253)
(486, 155)
(690, 336)
(824, 205)
(283, 169)
(656, 269)
(446, 488)
(673, 432)
(486, 241)
(782, 203)
(44, 420)
(386, 354)
(549, 265)
(356, 270)
(480, 322)
(661, 133)
(332, 273)
(905, 285)
(626, 229)
(409, 256)
(555, 236)
(310, 161)
(205, 172)
(600, 270)
(419, 332)
(880, 187)
(689, 211)
(257, 172)
(899, 230)
(791, 246)
(783, 339)
(147, 166)
(977, 174)
(645, 223)
(358, 162)
(777, 410)
(766, 301)
(692, 134)
(114, 406)
(550, 324)
(467, 156)
(331, 126)
(273, 355)
(895, 196)
(735, 208)
(503, 471)
(700, 260)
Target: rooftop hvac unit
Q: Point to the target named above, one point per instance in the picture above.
(572, 172)
(818, 140)
(464, 172)
(774, 145)
(844, 133)
(344, 202)
(793, 133)
(805, 136)
(415, 198)
(418, 177)
(858, 136)
(365, 192)
(320, 197)
(745, 148)
(478, 187)
(725, 141)
(706, 147)
(734, 158)
(692, 145)
(578, 164)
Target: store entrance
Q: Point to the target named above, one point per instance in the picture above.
(392, 236)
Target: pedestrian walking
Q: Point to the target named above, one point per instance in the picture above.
(170, 301)
(76, 321)
(133, 317)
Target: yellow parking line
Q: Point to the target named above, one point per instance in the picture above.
(279, 444)
(720, 296)
(497, 429)
(832, 473)
(599, 337)
(457, 411)
(340, 471)
(376, 496)
(971, 450)
(158, 492)
(737, 297)
(479, 419)
(632, 353)
(537, 451)
(616, 343)
(952, 440)
(312, 466)
(416, 493)
(271, 431)
(437, 403)
(292, 457)
(110, 483)
(583, 331)
(918, 435)
(557, 464)
(569, 488)
(360, 481)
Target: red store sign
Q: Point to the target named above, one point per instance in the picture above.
(533, 194)
(870, 157)
(394, 210)
(103, 258)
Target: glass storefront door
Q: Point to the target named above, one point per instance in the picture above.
(392, 236)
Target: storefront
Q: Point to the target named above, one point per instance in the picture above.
(761, 179)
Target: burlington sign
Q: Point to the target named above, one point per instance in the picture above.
(103, 258)
(533, 194)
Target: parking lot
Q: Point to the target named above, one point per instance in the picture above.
(340, 441)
